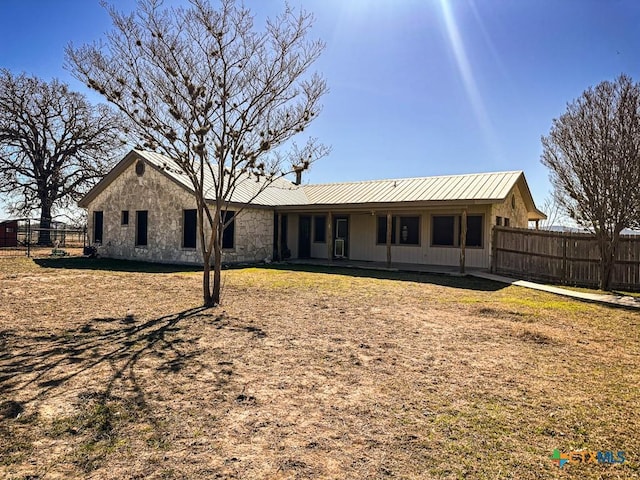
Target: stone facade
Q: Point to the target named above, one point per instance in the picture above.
(512, 208)
(165, 202)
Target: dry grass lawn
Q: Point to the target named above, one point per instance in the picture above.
(114, 374)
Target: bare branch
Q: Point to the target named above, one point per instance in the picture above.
(223, 100)
(54, 145)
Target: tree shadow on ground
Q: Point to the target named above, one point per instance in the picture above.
(442, 279)
(121, 344)
(109, 264)
(105, 369)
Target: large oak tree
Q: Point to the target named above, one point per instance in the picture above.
(204, 87)
(593, 152)
(54, 145)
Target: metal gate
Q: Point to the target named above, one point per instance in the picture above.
(24, 237)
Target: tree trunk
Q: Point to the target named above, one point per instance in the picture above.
(217, 266)
(211, 294)
(606, 268)
(608, 247)
(206, 280)
(44, 233)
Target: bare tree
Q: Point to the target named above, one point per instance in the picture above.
(593, 152)
(201, 86)
(555, 213)
(54, 145)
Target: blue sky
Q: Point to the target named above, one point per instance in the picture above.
(418, 87)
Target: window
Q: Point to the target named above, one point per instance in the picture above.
(97, 226)
(342, 227)
(446, 231)
(124, 217)
(382, 230)
(140, 168)
(442, 230)
(189, 225)
(498, 221)
(141, 228)
(474, 231)
(506, 222)
(320, 229)
(409, 230)
(229, 231)
(404, 230)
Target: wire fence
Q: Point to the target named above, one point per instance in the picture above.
(25, 237)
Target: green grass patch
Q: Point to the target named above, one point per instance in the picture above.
(539, 303)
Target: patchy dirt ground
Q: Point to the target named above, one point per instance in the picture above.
(113, 374)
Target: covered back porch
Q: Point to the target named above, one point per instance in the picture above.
(407, 237)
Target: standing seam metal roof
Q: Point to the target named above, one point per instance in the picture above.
(471, 187)
(480, 186)
(280, 192)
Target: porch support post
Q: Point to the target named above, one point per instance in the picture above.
(463, 239)
(330, 237)
(389, 228)
(279, 237)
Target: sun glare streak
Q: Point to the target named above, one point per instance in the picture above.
(466, 72)
(487, 38)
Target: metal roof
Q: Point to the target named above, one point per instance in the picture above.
(247, 190)
(476, 188)
(472, 187)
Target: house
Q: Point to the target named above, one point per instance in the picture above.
(144, 210)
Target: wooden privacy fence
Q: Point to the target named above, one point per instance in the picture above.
(564, 258)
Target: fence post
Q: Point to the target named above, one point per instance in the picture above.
(563, 279)
(527, 242)
(28, 238)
